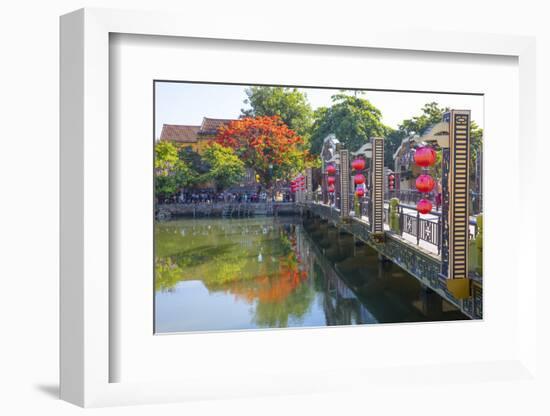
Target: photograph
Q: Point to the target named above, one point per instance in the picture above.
(283, 206)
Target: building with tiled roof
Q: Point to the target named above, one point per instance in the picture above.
(196, 137)
(179, 134)
(211, 125)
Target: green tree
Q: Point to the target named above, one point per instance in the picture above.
(171, 173)
(226, 168)
(431, 113)
(353, 119)
(391, 143)
(196, 163)
(288, 103)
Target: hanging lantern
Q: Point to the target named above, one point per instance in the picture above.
(331, 180)
(331, 189)
(358, 179)
(424, 156)
(425, 183)
(331, 169)
(360, 192)
(424, 206)
(358, 164)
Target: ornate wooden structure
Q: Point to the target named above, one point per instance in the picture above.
(455, 204)
(344, 174)
(377, 186)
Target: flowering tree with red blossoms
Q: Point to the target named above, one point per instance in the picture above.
(267, 145)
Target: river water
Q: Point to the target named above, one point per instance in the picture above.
(265, 272)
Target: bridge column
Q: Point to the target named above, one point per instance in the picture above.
(377, 189)
(324, 185)
(309, 185)
(344, 184)
(455, 214)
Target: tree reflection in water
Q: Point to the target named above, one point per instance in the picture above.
(278, 273)
(255, 260)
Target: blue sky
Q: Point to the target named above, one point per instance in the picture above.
(184, 103)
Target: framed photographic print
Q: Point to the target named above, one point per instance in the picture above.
(261, 223)
(237, 209)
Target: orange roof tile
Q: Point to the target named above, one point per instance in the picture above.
(179, 133)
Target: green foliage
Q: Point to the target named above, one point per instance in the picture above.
(354, 120)
(288, 103)
(475, 255)
(225, 167)
(431, 113)
(171, 173)
(394, 215)
(479, 243)
(476, 141)
(196, 163)
(391, 143)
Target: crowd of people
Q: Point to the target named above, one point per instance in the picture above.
(210, 197)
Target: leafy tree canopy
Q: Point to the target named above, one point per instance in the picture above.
(430, 114)
(288, 103)
(267, 145)
(226, 168)
(171, 173)
(354, 120)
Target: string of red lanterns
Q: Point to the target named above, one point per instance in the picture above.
(298, 184)
(359, 179)
(331, 171)
(424, 157)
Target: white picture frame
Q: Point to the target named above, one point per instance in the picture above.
(86, 355)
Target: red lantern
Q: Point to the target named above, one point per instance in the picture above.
(425, 183)
(424, 156)
(331, 180)
(424, 206)
(331, 189)
(331, 169)
(359, 192)
(358, 179)
(358, 164)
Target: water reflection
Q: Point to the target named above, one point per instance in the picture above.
(219, 274)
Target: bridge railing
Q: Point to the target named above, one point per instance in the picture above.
(412, 196)
(423, 228)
